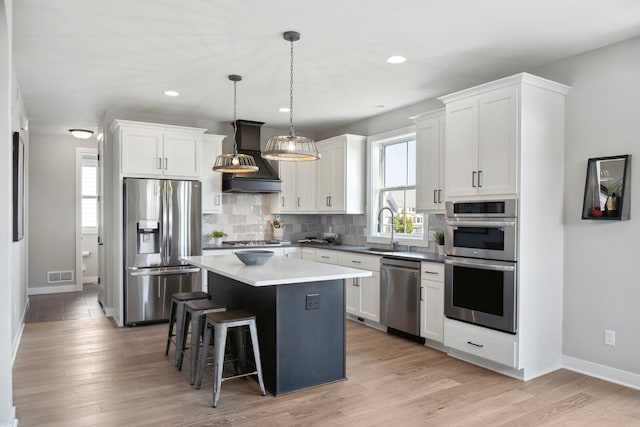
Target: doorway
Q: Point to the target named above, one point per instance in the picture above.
(87, 208)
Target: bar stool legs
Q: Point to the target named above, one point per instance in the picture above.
(178, 301)
(219, 324)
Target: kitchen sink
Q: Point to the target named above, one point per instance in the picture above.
(377, 250)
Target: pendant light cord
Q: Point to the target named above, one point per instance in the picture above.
(235, 143)
(292, 133)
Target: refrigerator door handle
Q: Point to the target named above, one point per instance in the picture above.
(162, 271)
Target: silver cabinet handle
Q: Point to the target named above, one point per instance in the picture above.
(166, 163)
(439, 194)
(421, 293)
(479, 175)
(435, 192)
(282, 204)
(324, 256)
(298, 201)
(159, 162)
(473, 179)
(217, 199)
(431, 272)
(356, 281)
(356, 262)
(474, 344)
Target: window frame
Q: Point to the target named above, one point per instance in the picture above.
(374, 171)
(87, 157)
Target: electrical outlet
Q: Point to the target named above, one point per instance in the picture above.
(610, 337)
(313, 302)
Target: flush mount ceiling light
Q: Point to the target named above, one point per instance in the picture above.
(291, 147)
(171, 93)
(396, 59)
(235, 162)
(81, 133)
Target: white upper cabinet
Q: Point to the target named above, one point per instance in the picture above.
(340, 175)
(155, 150)
(430, 146)
(481, 152)
(211, 181)
(298, 187)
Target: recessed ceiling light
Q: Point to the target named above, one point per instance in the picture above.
(378, 106)
(171, 93)
(396, 59)
(284, 109)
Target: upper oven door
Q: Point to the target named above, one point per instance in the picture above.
(482, 238)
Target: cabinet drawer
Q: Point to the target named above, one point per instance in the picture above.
(329, 257)
(432, 271)
(365, 262)
(486, 343)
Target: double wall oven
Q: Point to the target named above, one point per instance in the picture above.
(481, 244)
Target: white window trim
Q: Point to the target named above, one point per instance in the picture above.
(80, 151)
(373, 172)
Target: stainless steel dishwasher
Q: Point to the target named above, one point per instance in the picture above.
(400, 294)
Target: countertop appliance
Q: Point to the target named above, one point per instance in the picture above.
(480, 275)
(400, 295)
(162, 222)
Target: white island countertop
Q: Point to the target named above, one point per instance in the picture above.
(277, 271)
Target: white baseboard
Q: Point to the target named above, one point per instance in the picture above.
(16, 341)
(606, 373)
(51, 289)
(89, 279)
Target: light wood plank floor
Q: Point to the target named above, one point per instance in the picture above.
(90, 373)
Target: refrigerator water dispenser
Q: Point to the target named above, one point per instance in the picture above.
(148, 237)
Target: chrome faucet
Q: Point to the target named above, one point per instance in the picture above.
(392, 244)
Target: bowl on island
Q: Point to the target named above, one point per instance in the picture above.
(254, 256)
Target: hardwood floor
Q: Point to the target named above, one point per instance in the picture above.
(90, 373)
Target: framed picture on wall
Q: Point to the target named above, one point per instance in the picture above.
(18, 187)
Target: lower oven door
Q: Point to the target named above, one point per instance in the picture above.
(481, 292)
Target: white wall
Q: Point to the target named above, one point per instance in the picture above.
(52, 204)
(601, 288)
(9, 289)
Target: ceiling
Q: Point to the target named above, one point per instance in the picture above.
(76, 59)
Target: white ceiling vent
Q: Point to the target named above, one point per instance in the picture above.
(59, 276)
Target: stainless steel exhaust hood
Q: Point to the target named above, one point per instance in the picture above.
(265, 180)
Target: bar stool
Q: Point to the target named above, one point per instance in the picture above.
(219, 324)
(178, 301)
(193, 315)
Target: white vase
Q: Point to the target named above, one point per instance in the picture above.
(217, 241)
(440, 249)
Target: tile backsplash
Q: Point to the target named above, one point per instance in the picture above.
(246, 216)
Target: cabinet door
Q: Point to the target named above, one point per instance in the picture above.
(461, 158)
(288, 194)
(211, 181)
(305, 186)
(430, 168)
(141, 152)
(308, 254)
(181, 155)
(498, 141)
(330, 178)
(432, 310)
(370, 296)
(352, 296)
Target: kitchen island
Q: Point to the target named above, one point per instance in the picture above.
(300, 314)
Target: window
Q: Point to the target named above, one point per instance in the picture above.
(393, 188)
(89, 193)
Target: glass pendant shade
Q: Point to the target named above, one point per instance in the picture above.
(235, 162)
(291, 147)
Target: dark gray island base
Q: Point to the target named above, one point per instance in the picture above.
(301, 329)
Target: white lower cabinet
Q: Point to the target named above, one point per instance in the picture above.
(211, 181)
(363, 293)
(492, 345)
(432, 301)
(328, 257)
(308, 253)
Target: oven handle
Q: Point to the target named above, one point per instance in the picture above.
(480, 264)
(490, 224)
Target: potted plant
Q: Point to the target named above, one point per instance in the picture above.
(217, 236)
(439, 236)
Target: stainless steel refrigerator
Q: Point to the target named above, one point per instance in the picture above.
(162, 222)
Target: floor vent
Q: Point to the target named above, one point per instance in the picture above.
(59, 276)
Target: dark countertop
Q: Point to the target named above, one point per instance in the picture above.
(415, 256)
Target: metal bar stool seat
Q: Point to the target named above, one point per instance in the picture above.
(194, 316)
(178, 301)
(219, 324)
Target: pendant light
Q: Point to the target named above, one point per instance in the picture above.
(291, 147)
(235, 162)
